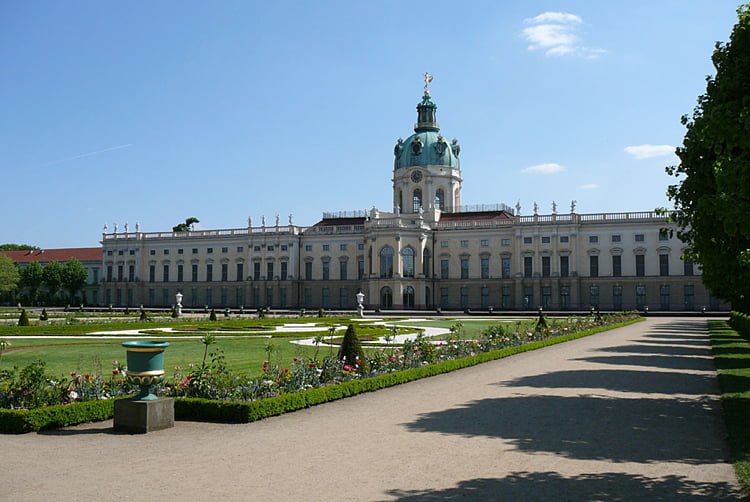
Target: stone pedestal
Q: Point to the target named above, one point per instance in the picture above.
(139, 417)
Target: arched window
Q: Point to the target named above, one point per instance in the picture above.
(400, 201)
(426, 262)
(440, 199)
(417, 201)
(386, 262)
(386, 298)
(409, 297)
(408, 261)
(369, 260)
(427, 299)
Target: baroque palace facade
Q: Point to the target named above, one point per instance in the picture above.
(429, 252)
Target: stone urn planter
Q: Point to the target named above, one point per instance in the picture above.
(145, 366)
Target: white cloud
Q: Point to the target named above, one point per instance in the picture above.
(555, 17)
(555, 34)
(647, 151)
(589, 186)
(550, 168)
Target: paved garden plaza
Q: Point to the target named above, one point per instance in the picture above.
(627, 414)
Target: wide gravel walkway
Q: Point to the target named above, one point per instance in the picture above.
(625, 415)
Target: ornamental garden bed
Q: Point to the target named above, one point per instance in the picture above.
(209, 391)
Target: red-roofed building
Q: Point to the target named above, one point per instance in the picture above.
(91, 258)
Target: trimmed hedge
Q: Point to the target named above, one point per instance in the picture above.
(740, 322)
(250, 411)
(50, 417)
(21, 421)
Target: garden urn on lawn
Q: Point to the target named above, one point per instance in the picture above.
(145, 412)
(145, 366)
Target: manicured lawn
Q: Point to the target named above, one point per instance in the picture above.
(732, 357)
(96, 355)
(472, 328)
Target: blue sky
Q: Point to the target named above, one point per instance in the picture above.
(152, 112)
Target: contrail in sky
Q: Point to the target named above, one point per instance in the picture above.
(82, 155)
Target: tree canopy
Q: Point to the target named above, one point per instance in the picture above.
(9, 274)
(32, 279)
(74, 277)
(187, 226)
(17, 247)
(712, 198)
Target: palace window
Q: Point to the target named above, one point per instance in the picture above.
(616, 265)
(440, 199)
(417, 200)
(408, 258)
(386, 262)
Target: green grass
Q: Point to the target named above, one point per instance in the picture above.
(732, 356)
(79, 328)
(242, 354)
(471, 328)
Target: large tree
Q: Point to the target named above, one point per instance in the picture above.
(187, 226)
(53, 279)
(32, 278)
(712, 201)
(9, 274)
(74, 276)
(17, 247)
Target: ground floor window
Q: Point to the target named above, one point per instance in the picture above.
(308, 297)
(485, 297)
(546, 297)
(594, 296)
(464, 297)
(326, 297)
(386, 298)
(409, 297)
(664, 297)
(689, 297)
(444, 297)
(617, 297)
(528, 297)
(564, 297)
(640, 296)
(506, 297)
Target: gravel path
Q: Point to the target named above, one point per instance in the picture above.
(624, 415)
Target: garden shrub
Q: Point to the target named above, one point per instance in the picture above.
(351, 348)
(43, 316)
(212, 315)
(24, 319)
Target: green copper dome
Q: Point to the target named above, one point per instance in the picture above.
(426, 147)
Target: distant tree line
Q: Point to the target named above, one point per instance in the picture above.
(34, 284)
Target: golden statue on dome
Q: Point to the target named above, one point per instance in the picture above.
(427, 80)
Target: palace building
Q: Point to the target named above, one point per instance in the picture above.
(429, 251)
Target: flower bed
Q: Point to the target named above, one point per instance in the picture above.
(210, 392)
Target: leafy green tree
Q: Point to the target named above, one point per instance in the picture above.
(53, 279)
(17, 247)
(32, 279)
(9, 274)
(712, 201)
(187, 226)
(74, 276)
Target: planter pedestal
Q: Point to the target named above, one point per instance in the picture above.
(139, 417)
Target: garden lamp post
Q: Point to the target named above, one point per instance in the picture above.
(178, 297)
(360, 298)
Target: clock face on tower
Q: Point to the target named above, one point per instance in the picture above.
(416, 176)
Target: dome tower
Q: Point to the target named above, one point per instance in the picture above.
(426, 169)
